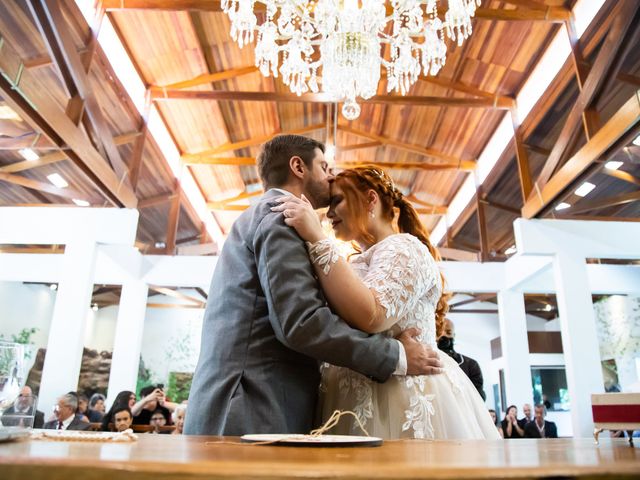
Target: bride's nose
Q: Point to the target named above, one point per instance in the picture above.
(330, 213)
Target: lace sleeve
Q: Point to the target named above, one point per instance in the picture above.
(400, 272)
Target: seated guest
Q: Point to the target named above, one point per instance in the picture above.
(96, 409)
(122, 419)
(540, 428)
(526, 409)
(152, 399)
(157, 420)
(83, 406)
(125, 398)
(178, 419)
(494, 417)
(14, 416)
(65, 412)
(509, 424)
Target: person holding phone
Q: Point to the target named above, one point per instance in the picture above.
(152, 399)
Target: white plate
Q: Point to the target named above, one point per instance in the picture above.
(299, 440)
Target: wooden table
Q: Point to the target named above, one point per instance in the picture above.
(164, 457)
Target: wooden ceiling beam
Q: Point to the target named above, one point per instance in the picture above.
(34, 142)
(621, 175)
(464, 165)
(156, 200)
(41, 186)
(221, 204)
(475, 298)
(459, 255)
(58, 156)
(173, 221)
(468, 89)
(501, 206)
(251, 142)
(500, 103)
(358, 146)
(56, 33)
(427, 152)
(596, 204)
(169, 292)
(54, 124)
(550, 14)
(205, 79)
(522, 157)
(605, 59)
(624, 123)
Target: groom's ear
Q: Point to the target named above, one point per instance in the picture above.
(297, 167)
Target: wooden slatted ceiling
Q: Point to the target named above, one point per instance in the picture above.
(23, 42)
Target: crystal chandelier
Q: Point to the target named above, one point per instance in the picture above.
(345, 39)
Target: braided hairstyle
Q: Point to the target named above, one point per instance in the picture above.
(355, 183)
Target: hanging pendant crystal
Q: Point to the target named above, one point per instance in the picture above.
(344, 39)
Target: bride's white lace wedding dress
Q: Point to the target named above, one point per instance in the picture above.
(407, 283)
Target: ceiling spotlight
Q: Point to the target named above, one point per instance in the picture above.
(53, 286)
(94, 307)
(81, 203)
(562, 206)
(160, 245)
(28, 154)
(548, 307)
(584, 189)
(57, 180)
(613, 165)
(511, 250)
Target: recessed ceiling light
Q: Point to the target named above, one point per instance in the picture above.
(584, 189)
(28, 154)
(94, 307)
(511, 250)
(53, 286)
(160, 245)
(613, 165)
(81, 203)
(548, 307)
(562, 206)
(57, 180)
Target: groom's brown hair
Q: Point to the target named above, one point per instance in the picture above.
(273, 160)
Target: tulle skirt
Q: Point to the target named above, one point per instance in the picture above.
(445, 406)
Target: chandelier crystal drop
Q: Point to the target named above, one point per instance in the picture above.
(344, 40)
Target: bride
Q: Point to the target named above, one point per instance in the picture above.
(392, 284)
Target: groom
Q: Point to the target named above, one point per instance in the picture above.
(267, 324)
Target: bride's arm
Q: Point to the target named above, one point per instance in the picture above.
(347, 295)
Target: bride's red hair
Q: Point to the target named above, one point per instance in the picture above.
(355, 183)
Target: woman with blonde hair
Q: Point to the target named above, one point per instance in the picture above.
(392, 284)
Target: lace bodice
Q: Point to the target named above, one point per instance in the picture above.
(406, 281)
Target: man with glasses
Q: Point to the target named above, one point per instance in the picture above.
(65, 412)
(21, 410)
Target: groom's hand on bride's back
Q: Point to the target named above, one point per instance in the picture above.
(421, 359)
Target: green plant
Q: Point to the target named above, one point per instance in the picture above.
(24, 338)
(179, 386)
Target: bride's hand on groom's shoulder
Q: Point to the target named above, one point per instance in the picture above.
(299, 214)
(421, 359)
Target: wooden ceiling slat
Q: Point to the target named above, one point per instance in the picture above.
(596, 204)
(622, 175)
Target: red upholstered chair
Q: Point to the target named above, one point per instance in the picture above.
(615, 411)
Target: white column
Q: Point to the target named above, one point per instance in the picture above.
(579, 339)
(66, 335)
(515, 349)
(128, 338)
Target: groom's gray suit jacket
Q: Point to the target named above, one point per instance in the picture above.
(265, 328)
